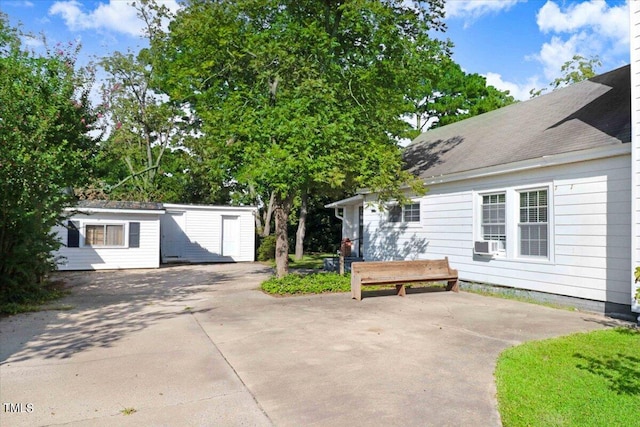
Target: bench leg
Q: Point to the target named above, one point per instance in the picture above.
(356, 287)
(400, 290)
(453, 286)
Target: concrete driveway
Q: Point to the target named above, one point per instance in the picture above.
(201, 346)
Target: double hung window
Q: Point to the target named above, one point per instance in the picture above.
(533, 225)
(493, 222)
(518, 219)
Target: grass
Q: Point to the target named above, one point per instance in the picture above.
(587, 379)
(316, 283)
(128, 411)
(37, 299)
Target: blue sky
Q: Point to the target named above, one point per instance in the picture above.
(516, 44)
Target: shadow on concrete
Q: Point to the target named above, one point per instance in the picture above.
(109, 305)
(368, 293)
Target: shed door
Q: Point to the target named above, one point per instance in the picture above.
(230, 236)
(173, 236)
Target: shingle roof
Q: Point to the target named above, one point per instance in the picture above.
(112, 204)
(589, 114)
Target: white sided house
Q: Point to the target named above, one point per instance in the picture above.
(535, 196)
(101, 235)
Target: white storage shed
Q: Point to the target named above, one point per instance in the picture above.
(202, 233)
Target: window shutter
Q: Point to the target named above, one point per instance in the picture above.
(73, 234)
(134, 234)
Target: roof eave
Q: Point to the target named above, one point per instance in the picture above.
(545, 161)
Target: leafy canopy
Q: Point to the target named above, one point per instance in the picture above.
(45, 148)
(294, 94)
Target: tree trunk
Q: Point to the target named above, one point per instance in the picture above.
(259, 228)
(267, 216)
(302, 224)
(281, 211)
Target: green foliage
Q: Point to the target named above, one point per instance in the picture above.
(576, 70)
(584, 379)
(308, 284)
(267, 248)
(636, 274)
(449, 94)
(299, 95)
(323, 229)
(31, 298)
(45, 118)
(143, 157)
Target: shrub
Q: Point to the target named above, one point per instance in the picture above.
(267, 248)
(316, 283)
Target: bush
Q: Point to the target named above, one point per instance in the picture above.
(267, 249)
(316, 283)
(45, 149)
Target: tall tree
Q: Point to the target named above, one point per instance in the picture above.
(45, 148)
(575, 70)
(142, 158)
(299, 94)
(144, 129)
(447, 94)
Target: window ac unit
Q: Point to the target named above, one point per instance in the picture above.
(489, 247)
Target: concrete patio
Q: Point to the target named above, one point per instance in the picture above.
(200, 345)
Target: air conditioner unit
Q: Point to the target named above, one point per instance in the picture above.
(489, 247)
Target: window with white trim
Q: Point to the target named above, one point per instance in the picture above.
(533, 223)
(407, 213)
(411, 212)
(493, 218)
(96, 235)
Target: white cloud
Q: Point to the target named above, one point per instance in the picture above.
(610, 22)
(19, 3)
(518, 91)
(33, 42)
(589, 28)
(118, 16)
(473, 9)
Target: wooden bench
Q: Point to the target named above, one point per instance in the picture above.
(401, 272)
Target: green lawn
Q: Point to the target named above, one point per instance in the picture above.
(588, 379)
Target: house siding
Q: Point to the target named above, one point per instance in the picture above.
(589, 239)
(203, 233)
(90, 258)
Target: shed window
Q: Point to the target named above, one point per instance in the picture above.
(104, 235)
